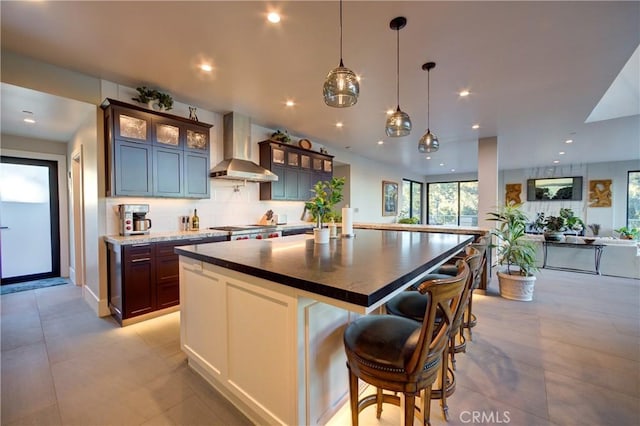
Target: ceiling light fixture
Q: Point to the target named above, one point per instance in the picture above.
(464, 93)
(428, 142)
(339, 124)
(273, 17)
(380, 142)
(561, 153)
(556, 161)
(206, 67)
(428, 157)
(290, 103)
(341, 87)
(398, 123)
(29, 120)
(569, 141)
(475, 126)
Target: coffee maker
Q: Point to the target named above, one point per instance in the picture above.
(133, 219)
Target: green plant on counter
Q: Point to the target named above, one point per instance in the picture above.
(628, 233)
(409, 220)
(326, 195)
(515, 249)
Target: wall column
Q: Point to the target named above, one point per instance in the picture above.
(487, 179)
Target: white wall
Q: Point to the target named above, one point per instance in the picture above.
(608, 217)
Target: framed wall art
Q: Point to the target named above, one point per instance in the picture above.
(389, 198)
(512, 195)
(600, 193)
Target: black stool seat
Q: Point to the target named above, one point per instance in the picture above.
(383, 342)
(450, 270)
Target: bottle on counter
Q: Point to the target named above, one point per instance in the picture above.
(195, 221)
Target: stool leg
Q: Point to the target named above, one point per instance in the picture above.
(426, 407)
(409, 409)
(452, 351)
(353, 394)
(470, 316)
(379, 403)
(443, 399)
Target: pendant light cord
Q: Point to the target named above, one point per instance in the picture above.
(428, 95)
(398, 67)
(341, 64)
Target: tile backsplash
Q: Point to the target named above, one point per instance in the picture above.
(225, 207)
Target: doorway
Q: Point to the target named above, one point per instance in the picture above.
(30, 228)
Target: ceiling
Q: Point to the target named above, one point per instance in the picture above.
(535, 70)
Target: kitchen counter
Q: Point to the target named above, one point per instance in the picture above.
(448, 229)
(263, 320)
(360, 270)
(185, 235)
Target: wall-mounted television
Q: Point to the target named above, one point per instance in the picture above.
(552, 189)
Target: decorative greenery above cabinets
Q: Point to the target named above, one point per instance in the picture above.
(154, 154)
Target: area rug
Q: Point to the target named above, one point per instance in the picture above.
(32, 285)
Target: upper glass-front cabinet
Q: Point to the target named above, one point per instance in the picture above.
(133, 127)
(167, 134)
(197, 140)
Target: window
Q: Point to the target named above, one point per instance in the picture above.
(453, 203)
(411, 199)
(633, 199)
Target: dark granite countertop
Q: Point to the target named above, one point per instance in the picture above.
(360, 270)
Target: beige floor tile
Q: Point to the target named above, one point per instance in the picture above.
(193, 411)
(48, 416)
(572, 402)
(23, 302)
(20, 329)
(27, 386)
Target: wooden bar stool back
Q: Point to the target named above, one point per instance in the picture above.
(402, 355)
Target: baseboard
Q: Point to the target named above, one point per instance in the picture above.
(100, 307)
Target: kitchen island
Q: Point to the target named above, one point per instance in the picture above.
(262, 320)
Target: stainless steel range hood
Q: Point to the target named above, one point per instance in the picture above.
(236, 138)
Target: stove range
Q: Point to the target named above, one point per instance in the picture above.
(249, 232)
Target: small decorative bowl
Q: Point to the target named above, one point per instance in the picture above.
(588, 240)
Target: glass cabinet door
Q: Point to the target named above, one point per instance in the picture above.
(197, 140)
(305, 161)
(132, 127)
(317, 164)
(167, 134)
(278, 156)
(327, 166)
(293, 159)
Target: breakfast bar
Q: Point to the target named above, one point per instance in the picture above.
(262, 320)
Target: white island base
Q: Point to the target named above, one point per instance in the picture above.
(273, 352)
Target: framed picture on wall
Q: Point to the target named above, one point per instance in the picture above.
(389, 198)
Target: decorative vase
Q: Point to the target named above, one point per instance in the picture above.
(321, 235)
(516, 287)
(553, 236)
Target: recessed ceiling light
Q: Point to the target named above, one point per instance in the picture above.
(453, 170)
(464, 93)
(290, 103)
(475, 126)
(561, 153)
(428, 158)
(569, 141)
(206, 67)
(339, 124)
(273, 17)
(380, 142)
(29, 120)
(442, 164)
(556, 161)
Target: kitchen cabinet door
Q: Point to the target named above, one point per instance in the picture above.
(132, 126)
(133, 171)
(277, 188)
(167, 172)
(304, 185)
(139, 284)
(196, 175)
(291, 184)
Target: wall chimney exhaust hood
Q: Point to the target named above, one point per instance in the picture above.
(236, 138)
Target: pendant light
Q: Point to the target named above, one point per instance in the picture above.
(398, 123)
(428, 141)
(341, 87)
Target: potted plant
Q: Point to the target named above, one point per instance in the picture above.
(326, 195)
(595, 228)
(626, 233)
(165, 101)
(146, 96)
(279, 136)
(554, 227)
(515, 251)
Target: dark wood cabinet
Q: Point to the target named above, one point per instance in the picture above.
(297, 169)
(145, 278)
(154, 154)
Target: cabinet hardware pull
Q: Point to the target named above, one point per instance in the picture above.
(143, 259)
(139, 245)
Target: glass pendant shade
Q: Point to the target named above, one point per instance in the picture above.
(398, 124)
(341, 87)
(428, 143)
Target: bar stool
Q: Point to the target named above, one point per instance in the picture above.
(411, 304)
(400, 354)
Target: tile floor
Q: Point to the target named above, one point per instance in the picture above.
(570, 357)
